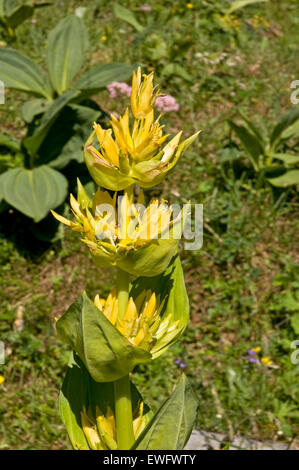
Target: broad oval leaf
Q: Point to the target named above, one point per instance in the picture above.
(172, 424)
(67, 44)
(20, 72)
(34, 192)
(101, 75)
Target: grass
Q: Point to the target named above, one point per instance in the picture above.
(243, 283)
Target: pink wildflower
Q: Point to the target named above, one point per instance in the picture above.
(145, 7)
(166, 103)
(121, 87)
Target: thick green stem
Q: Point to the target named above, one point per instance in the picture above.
(123, 413)
(122, 291)
(122, 388)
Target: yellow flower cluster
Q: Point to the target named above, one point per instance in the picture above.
(134, 153)
(113, 228)
(100, 432)
(142, 323)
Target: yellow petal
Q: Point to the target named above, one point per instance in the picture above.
(139, 337)
(131, 311)
(101, 198)
(136, 80)
(170, 148)
(75, 206)
(108, 309)
(98, 303)
(114, 312)
(90, 432)
(138, 421)
(109, 148)
(61, 219)
(150, 307)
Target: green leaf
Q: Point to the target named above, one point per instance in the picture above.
(33, 142)
(21, 73)
(101, 75)
(287, 158)
(19, 15)
(34, 192)
(254, 130)
(106, 354)
(126, 15)
(67, 44)
(59, 148)
(172, 424)
(80, 391)
(32, 108)
(287, 179)
(72, 398)
(291, 131)
(250, 142)
(238, 4)
(151, 259)
(287, 119)
(9, 142)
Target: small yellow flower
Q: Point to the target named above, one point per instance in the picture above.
(266, 361)
(2, 379)
(190, 5)
(104, 38)
(257, 349)
(142, 323)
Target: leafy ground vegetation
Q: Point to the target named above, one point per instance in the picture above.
(243, 283)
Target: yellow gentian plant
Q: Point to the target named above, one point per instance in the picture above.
(148, 309)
